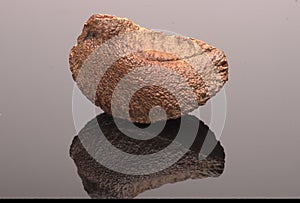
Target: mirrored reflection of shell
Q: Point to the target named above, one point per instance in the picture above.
(101, 182)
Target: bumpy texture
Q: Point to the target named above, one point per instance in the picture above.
(204, 68)
(101, 182)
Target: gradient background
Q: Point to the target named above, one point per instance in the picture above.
(261, 136)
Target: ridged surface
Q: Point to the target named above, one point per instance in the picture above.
(205, 80)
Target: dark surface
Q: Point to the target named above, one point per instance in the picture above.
(261, 136)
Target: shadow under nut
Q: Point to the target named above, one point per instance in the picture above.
(204, 81)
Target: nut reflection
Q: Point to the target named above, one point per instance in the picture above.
(101, 182)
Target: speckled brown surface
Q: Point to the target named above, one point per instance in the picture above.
(204, 81)
(101, 182)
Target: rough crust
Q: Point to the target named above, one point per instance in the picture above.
(101, 182)
(100, 28)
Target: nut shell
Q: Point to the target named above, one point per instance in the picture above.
(203, 68)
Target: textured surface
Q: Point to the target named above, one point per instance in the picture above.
(101, 182)
(204, 68)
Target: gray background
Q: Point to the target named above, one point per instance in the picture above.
(261, 136)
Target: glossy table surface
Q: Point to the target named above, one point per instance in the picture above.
(260, 138)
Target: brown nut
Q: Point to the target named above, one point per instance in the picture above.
(155, 69)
